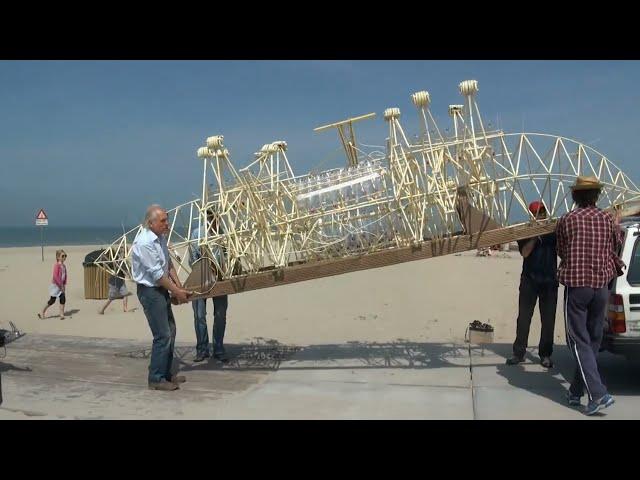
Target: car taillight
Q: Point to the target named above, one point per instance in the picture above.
(616, 314)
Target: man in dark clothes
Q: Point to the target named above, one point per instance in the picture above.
(537, 282)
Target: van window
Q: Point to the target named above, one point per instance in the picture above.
(633, 275)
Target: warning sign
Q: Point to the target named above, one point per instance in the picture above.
(41, 218)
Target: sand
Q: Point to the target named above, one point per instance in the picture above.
(425, 301)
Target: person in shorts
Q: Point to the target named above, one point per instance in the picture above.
(117, 289)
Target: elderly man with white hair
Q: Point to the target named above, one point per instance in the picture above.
(153, 272)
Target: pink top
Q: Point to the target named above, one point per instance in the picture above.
(59, 274)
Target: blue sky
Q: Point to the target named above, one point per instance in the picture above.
(95, 142)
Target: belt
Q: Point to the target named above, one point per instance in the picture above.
(160, 289)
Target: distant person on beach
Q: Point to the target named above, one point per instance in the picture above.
(58, 285)
(538, 283)
(117, 289)
(155, 276)
(200, 306)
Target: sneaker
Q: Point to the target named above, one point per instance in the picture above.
(546, 362)
(595, 406)
(178, 379)
(573, 400)
(163, 385)
(515, 360)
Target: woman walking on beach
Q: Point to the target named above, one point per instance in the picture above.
(58, 285)
(117, 289)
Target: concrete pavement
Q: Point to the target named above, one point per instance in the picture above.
(62, 377)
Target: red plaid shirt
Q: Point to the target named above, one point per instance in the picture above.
(588, 239)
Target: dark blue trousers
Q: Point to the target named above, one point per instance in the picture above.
(584, 313)
(546, 295)
(219, 324)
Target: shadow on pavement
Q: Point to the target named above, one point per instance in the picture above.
(621, 376)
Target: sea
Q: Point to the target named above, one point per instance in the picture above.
(59, 236)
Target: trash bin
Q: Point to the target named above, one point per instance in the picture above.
(96, 279)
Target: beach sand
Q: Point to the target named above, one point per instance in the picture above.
(424, 301)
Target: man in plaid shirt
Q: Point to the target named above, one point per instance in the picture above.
(588, 242)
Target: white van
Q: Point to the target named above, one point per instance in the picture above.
(622, 330)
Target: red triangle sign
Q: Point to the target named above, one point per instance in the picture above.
(41, 215)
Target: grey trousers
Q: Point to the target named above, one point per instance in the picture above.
(584, 313)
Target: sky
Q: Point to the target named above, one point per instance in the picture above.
(95, 142)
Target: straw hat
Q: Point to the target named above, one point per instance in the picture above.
(587, 183)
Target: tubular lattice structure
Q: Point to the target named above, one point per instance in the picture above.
(263, 218)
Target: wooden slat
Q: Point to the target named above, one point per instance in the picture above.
(327, 268)
(96, 283)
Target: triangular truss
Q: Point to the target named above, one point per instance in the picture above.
(436, 192)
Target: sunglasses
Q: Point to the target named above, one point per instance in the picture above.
(63, 256)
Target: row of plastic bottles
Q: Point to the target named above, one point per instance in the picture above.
(349, 186)
(366, 226)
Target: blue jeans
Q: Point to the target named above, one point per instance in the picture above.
(157, 308)
(219, 324)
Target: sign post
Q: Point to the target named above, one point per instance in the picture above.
(42, 220)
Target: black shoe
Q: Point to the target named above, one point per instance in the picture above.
(515, 360)
(221, 357)
(546, 362)
(201, 357)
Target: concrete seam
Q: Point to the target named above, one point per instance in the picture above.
(473, 396)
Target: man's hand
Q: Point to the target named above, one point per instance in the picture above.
(529, 246)
(180, 295)
(177, 292)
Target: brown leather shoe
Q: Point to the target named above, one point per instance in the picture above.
(163, 385)
(178, 379)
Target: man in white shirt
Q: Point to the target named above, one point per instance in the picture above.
(153, 272)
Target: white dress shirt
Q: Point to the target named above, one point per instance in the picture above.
(149, 258)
